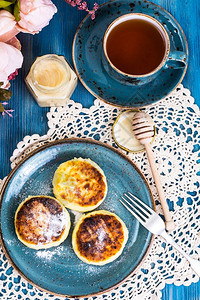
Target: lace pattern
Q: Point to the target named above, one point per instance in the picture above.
(176, 149)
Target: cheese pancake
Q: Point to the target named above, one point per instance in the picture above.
(41, 222)
(80, 184)
(99, 237)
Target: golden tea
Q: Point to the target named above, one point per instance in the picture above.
(135, 47)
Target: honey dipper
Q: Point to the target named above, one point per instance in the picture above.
(143, 129)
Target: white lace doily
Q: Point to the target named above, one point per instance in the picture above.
(177, 153)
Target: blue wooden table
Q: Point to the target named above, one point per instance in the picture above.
(29, 118)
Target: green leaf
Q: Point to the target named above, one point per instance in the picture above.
(4, 3)
(5, 95)
(1, 108)
(17, 11)
(9, 8)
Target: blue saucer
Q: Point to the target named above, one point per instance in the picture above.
(88, 55)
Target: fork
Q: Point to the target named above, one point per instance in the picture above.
(154, 223)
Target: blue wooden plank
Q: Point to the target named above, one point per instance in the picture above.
(29, 118)
(187, 13)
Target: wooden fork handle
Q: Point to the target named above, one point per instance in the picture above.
(169, 223)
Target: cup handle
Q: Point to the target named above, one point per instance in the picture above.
(176, 60)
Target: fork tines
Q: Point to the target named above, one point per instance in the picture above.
(139, 209)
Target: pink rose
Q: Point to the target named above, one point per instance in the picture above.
(7, 26)
(10, 60)
(15, 43)
(35, 14)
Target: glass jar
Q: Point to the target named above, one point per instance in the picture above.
(51, 80)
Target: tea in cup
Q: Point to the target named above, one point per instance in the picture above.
(137, 47)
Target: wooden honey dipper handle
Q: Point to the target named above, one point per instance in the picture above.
(143, 128)
(169, 223)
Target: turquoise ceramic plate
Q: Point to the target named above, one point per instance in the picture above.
(57, 269)
(90, 67)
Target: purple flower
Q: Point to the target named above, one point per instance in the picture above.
(92, 13)
(12, 76)
(73, 3)
(96, 6)
(82, 5)
(8, 112)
